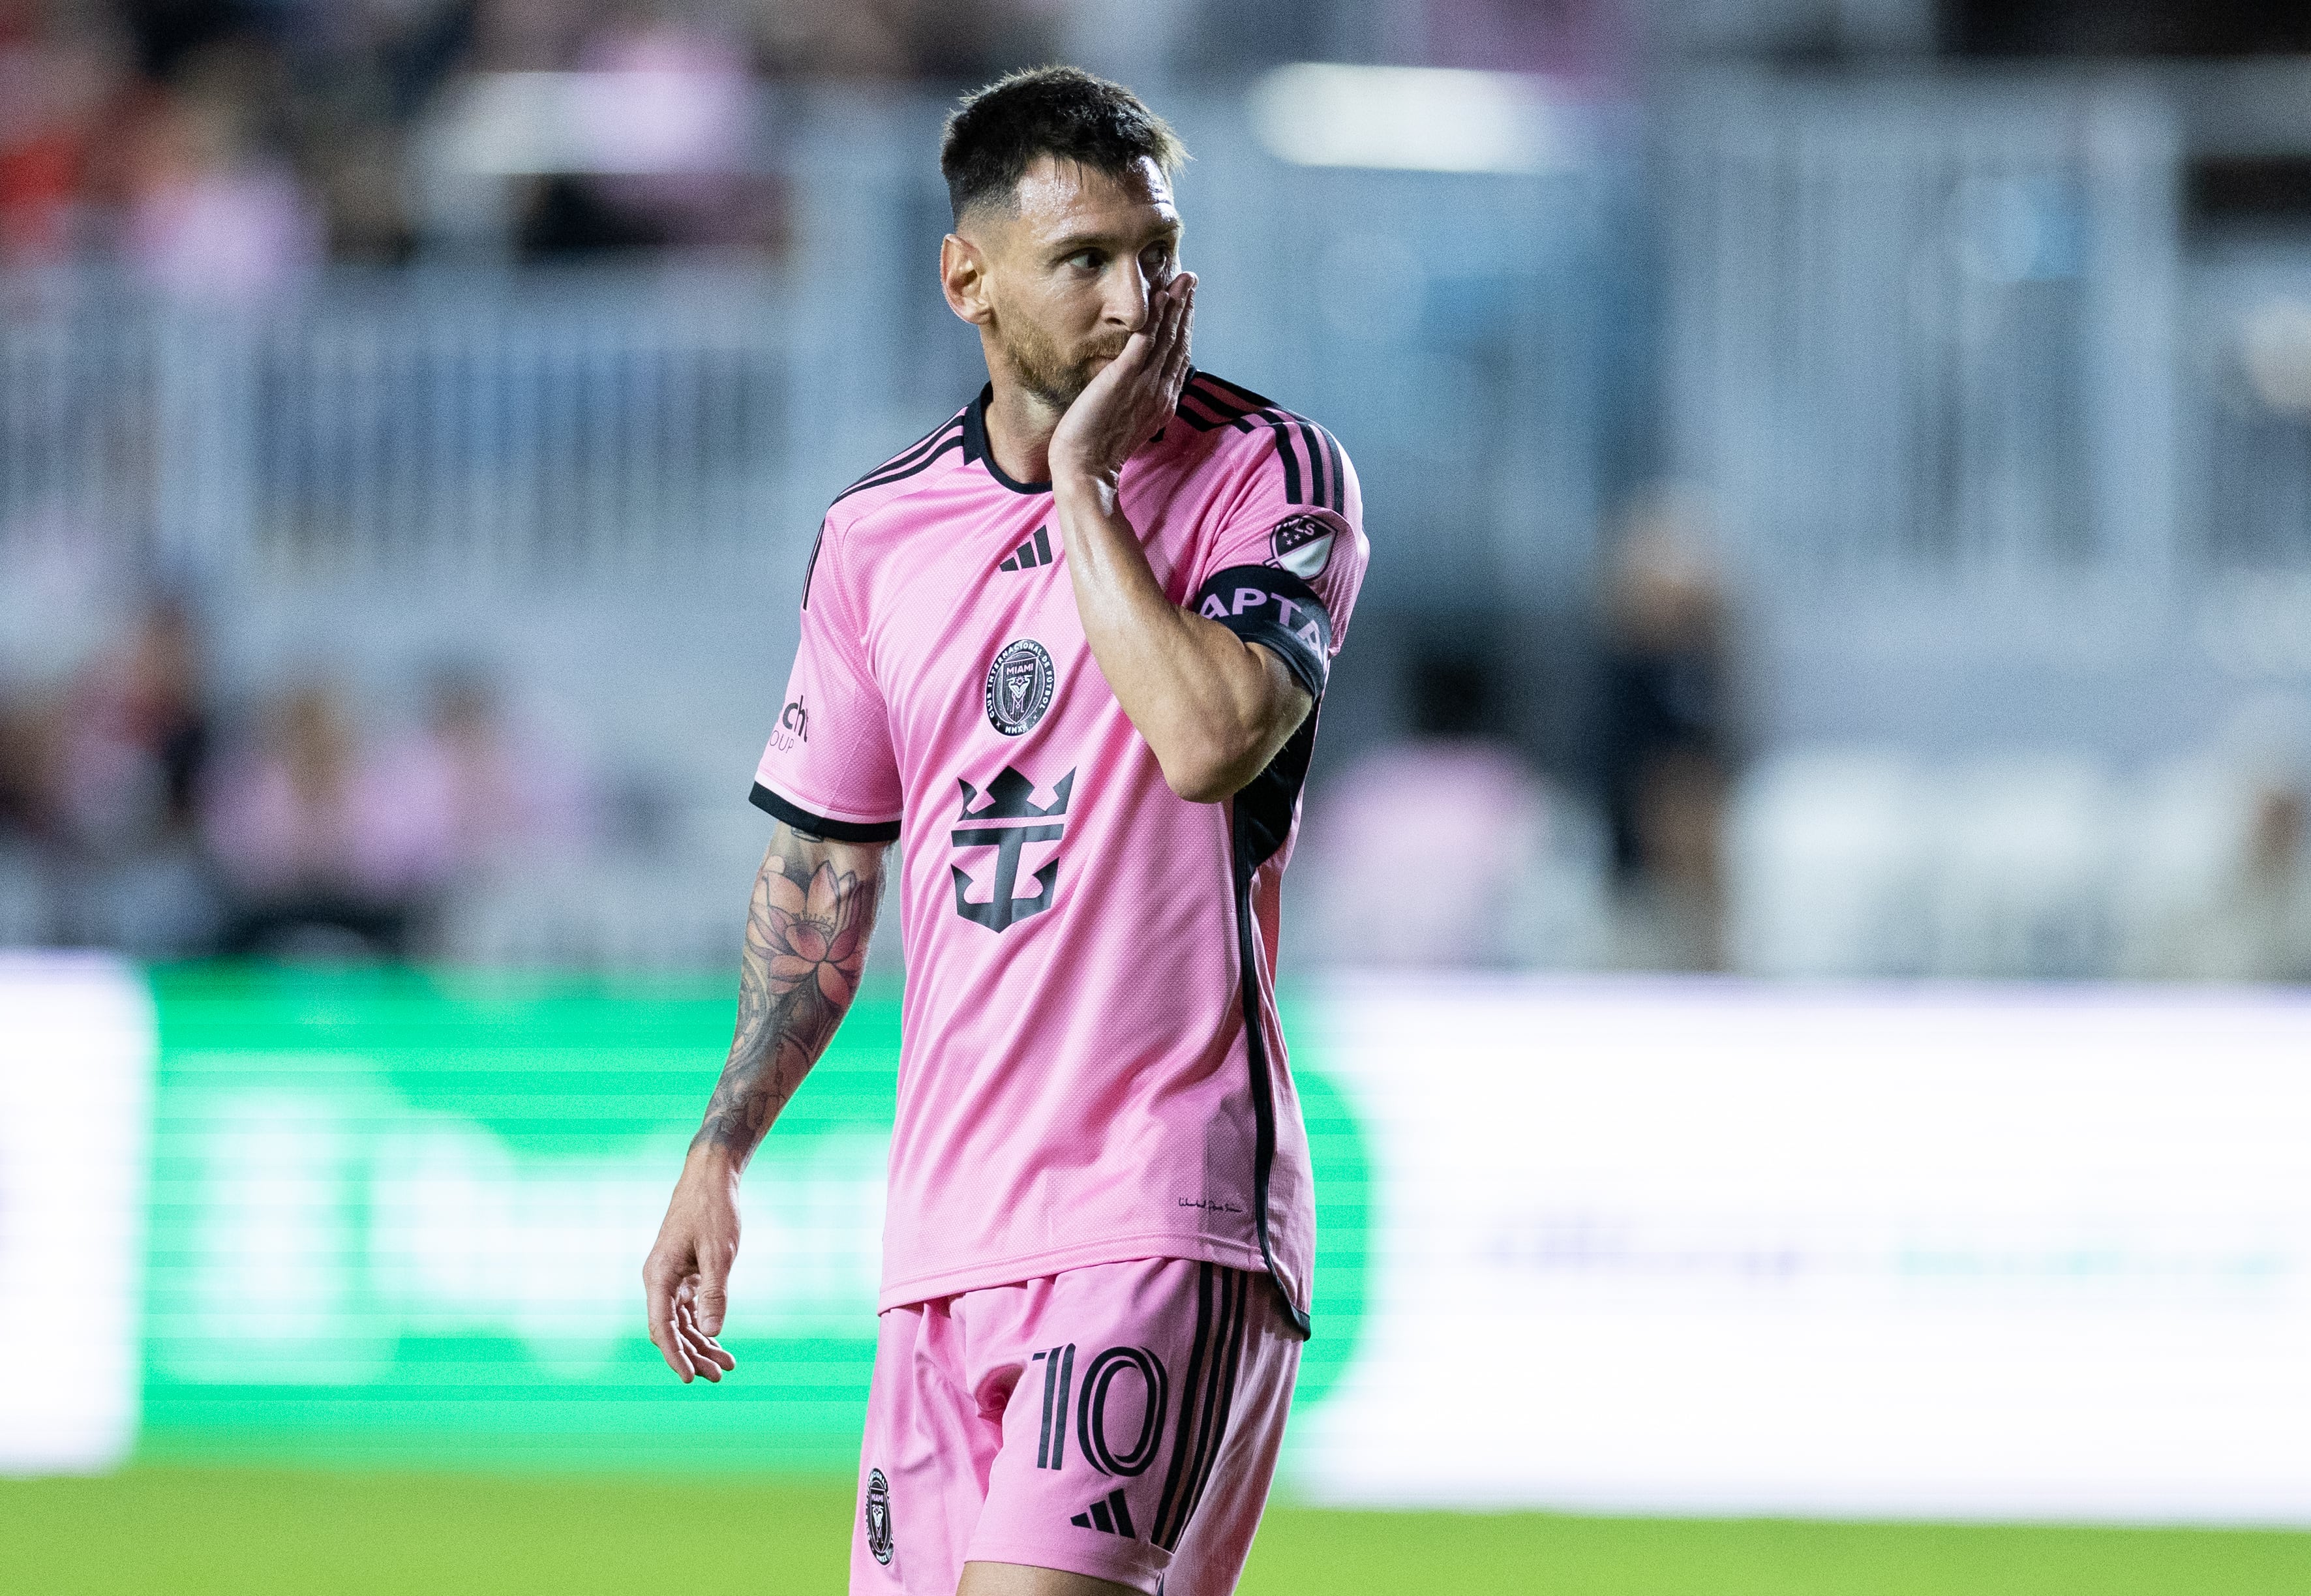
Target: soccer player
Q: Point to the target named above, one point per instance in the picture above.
(1065, 651)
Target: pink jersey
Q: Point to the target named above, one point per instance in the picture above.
(1091, 1067)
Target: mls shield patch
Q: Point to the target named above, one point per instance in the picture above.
(879, 1515)
(1303, 543)
(1019, 686)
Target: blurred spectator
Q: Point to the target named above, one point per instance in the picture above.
(332, 848)
(2251, 920)
(1569, 37)
(211, 215)
(293, 826)
(59, 70)
(137, 732)
(170, 32)
(1497, 870)
(26, 873)
(947, 39)
(466, 791)
(99, 784)
(698, 135)
(27, 769)
(1664, 739)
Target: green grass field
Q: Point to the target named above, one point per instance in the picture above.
(219, 1533)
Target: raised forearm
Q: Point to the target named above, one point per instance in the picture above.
(1212, 709)
(814, 906)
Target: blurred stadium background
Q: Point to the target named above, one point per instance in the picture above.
(1800, 926)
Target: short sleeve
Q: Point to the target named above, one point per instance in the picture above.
(1287, 556)
(830, 768)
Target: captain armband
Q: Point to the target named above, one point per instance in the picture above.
(1270, 607)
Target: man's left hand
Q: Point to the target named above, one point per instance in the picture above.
(1132, 400)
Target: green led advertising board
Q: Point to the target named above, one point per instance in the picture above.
(399, 1217)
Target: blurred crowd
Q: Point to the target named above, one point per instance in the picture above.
(144, 808)
(139, 811)
(219, 147)
(1666, 845)
(1614, 862)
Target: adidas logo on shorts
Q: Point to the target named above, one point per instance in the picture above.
(1109, 1515)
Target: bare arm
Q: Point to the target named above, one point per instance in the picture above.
(814, 906)
(1213, 708)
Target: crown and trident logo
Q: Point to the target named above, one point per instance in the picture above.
(1008, 823)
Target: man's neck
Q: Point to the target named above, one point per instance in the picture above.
(1020, 428)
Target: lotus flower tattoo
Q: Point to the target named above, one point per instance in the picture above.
(806, 943)
(813, 936)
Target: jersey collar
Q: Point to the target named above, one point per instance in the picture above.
(974, 445)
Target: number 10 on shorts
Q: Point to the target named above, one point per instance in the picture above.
(1059, 1373)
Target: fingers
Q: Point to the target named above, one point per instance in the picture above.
(1176, 367)
(708, 1358)
(1171, 346)
(659, 1283)
(713, 1299)
(698, 1343)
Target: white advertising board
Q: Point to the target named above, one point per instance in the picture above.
(1691, 1247)
(77, 1040)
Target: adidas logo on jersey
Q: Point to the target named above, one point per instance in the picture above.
(1108, 1515)
(1036, 550)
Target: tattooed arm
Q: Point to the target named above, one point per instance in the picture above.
(814, 906)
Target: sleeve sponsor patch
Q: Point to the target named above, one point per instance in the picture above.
(1302, 543)
(1279, 611)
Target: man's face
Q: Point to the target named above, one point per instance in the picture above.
(1070, 265)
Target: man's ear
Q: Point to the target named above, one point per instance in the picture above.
(962, 277)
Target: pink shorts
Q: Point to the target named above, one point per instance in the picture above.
(1119, 1420)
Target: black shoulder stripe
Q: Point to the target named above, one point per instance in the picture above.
(949, 445)
(1284, 452)
(1339, 474)
(909, 459)
(1250, 400)
(810, 569)
(908, 455)
(1317, 490)
(1210, 414)
(915, 453)
(1220, 403)
(1224, 411)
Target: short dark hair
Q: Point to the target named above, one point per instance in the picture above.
(994, 135)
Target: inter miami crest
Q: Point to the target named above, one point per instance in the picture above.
(1019, 686)
(1007, 823)
(879, 1515)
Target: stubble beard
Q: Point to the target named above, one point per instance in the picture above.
(1040, 367)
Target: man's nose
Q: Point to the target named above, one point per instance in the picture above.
(1133, 291)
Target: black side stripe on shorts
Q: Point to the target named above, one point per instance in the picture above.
(1224, 1389)
(1221, 1294)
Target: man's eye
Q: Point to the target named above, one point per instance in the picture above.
(1089, 260)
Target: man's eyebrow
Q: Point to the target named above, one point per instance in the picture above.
(1071, 243)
